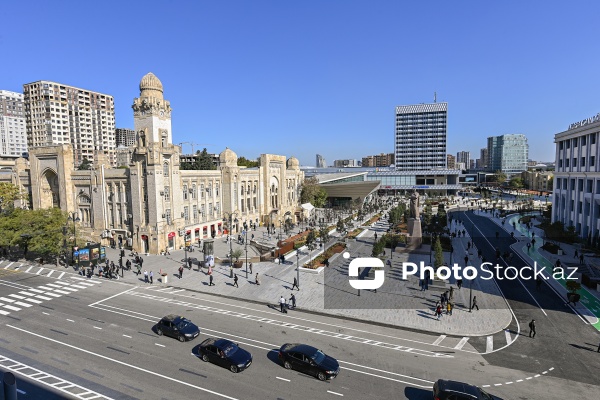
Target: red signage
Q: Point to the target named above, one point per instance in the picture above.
(172, 234)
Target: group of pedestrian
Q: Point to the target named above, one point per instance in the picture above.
(148, 277)
(284, 305)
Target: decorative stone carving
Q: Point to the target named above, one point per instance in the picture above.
(414, 205)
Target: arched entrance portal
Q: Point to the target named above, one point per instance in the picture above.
(49, 194)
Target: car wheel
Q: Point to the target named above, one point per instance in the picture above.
(159, 331)
(234, 369)
(181, 338)
(321, 376)
(287, 365)
(204, 358)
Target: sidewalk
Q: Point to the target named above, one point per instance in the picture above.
(415, 312)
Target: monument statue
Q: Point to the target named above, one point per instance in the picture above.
(414, 205)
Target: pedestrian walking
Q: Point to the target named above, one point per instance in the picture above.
(250, 265)
(459, 283)
(451, 294)
(293, 300)
(528, 246)
(576, 254)
(146, 276)
(189, 263)
(581, 258)
(139, 269)
(180, 271)
(282, 304)
(449, 308)
(474, 305)
(210, 281)
(256, 280)
(151, 277)
(438, 311)
(532, 329)
(295, 285)
(235, 281)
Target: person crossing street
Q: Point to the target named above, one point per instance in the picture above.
(295, 285)
(235, 281)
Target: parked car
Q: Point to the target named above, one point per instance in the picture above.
(225, 353)
(178, 327)
(453, 390)
(310, 360)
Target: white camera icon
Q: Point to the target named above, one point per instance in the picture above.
(363, 262)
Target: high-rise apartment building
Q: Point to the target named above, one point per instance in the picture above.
(345, 163)
(463, 157)
(420, 139)
(450, 161)
(483, 158)
(125, 137)
(508, 153)
(381, 160)
(13, 133)
(321, 161)
(60, 114)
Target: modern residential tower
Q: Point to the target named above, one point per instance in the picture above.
(13, 135)
(321, 161)
(420, 139)
(125, 137)
(508, 153)
(60, 114)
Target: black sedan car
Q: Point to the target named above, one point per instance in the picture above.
(178, 327)
(225, 353)
(453, 390)
(310, 360)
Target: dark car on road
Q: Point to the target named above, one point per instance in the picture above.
(453, 390)
(310, 360)
(225, 353)
(178, 327)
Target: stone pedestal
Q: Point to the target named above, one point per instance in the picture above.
(415, 233)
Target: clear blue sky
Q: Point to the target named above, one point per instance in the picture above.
(300, 78)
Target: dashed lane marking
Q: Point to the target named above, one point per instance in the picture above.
(61, 275)
(462, 342)
(9, 265)
(519, 380)
(337, 394)
(283, 379)
(509, 339)
(50, 273)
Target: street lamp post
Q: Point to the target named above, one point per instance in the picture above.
(231, 221)
(246, 248)
(74, 216)
(298, 267)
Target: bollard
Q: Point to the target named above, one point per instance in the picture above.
(9, 384)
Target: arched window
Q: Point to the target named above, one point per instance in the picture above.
(166, 169)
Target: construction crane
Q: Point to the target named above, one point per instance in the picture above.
(195, 144)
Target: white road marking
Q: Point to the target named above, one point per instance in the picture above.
(97, 327)
(43, 297)
(489, 344)
(54, 285)
(70, 320)
(45, 313)
(21, 391)
(126, 364)
(508, 337)
(519, 380)
(176, 291)
(19, 303)
(61, 275)
(29, 269)
(338, 394)
(151, 318)
(17, 268)
(41, 269)
(26, 293)
(52, 294)
(79, 287)
(33, 300)
(127, 336)
(108, 298)
(9, 264)
(283, 379)
(16, 296)
(62, 283)
(50, 273)
(161, 345)
(45, 288)
(61, 291)
(508, 383)
(35, 290)
(462, 342)
(12, 307)
(2, 312)
(7, 300)
(439, 340)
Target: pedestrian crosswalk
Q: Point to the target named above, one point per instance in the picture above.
(480, 344)
(32, 269)
(30, 296)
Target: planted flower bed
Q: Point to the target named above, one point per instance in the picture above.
(318, 262)
(354, 233)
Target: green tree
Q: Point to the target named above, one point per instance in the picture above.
(204, 161)
(500, 177)
(244, 162)
(340, 225)
(516, 183)
(324, 234)
(85, 165)
(311, 192)
(438, 258)
(378, 247)
(9, 193)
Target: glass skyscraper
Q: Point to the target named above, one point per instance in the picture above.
(508, 153)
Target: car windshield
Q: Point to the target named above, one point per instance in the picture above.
(183, 323)
(485, 395)
(230, 349)
(318, 357)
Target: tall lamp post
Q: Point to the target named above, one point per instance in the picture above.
(74, 216)
(231, 221)
(298, 268)
(246, 248)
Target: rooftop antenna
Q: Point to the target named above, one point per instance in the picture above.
(435, 97)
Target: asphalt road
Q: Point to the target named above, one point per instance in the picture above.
(97, 339)
(563, 341)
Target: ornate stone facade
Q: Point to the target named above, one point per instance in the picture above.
(153, 204)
